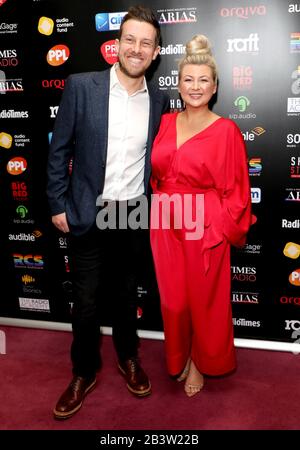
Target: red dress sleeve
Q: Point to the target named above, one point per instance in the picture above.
(236, 199)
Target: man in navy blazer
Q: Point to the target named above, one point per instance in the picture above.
(104, 131)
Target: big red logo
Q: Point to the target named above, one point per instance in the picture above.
(109, 51)
(16, 165)
(58, 55)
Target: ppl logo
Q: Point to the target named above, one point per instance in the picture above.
(294, 277)
(109, 51)
(45, 26)
(5, 140)
(16, 166)
(58, 55)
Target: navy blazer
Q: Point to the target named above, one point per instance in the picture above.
(81, 133)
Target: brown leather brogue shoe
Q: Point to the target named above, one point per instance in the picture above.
(71, 400)
(137, 381)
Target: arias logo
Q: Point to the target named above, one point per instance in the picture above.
(58, 55)
(109, 51)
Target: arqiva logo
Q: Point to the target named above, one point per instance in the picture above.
(16, 165)
(58, 55)
(109, 51)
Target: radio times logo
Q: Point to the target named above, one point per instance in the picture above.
(109, 21)
(243, 273)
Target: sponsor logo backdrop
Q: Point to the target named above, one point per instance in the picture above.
(257, 47)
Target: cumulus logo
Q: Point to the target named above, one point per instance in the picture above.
(242, 103)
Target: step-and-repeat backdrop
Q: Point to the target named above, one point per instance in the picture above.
(257, 48)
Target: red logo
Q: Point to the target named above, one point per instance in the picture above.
(109, 51)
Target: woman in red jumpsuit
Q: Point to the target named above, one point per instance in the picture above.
(201, 205)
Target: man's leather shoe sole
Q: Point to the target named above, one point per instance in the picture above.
(138, 393)
(66, 415)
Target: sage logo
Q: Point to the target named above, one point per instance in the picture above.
(242, 103)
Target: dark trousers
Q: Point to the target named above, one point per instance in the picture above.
(98, 258)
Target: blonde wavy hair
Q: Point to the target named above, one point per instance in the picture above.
(198, 51)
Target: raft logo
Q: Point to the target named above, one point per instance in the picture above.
(45, 26)
(5, 140)
(58, 55)
(244, 45)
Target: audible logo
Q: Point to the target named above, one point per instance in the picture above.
(58, 55)
(5, 140)
(45, 26)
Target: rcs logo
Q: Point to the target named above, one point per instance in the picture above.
(28, 261)
(58, 55)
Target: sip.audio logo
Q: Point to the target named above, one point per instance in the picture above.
(58, 55)
(242, 103)
(5, 140)
(45, 26)
(109, 51)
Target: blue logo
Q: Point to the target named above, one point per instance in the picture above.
(102, 22)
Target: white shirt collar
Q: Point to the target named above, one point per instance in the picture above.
(114, 80)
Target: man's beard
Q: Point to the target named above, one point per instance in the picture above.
(129, 74)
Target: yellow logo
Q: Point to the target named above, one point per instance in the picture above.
(291, 250)
(5, 140)
(45, 26)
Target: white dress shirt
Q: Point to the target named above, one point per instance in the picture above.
(127, 137)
